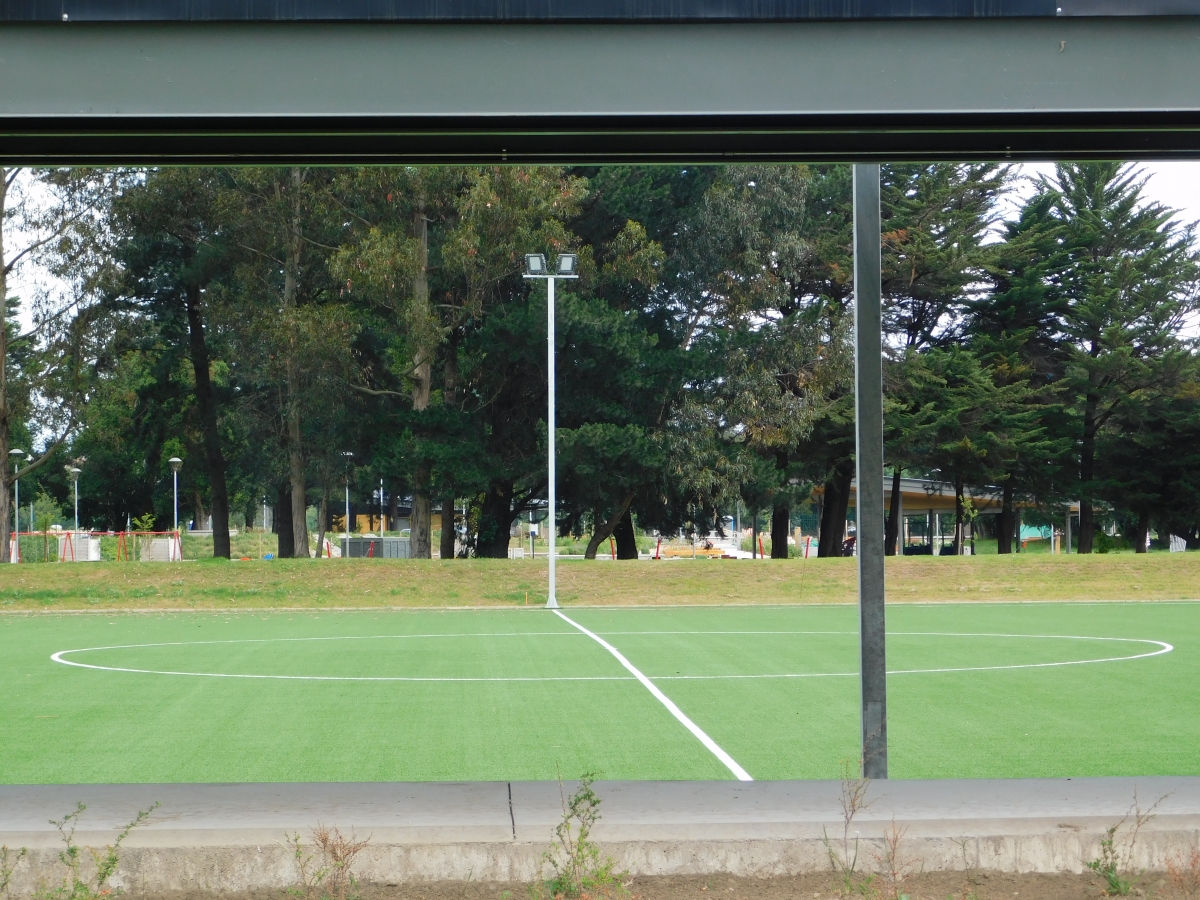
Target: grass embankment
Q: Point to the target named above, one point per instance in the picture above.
(366, 583)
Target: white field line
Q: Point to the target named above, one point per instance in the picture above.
(263, 612)
(729, 762)
(59, 657)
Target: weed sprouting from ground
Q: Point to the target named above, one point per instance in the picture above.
(8, 863)
(1116, 850)
(75, 885)
(1183, 874)
(328, 873)
(853, 798)
(580, 869)
(893, 860)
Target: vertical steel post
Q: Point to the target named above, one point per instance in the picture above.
(868, 417)
(551, 529)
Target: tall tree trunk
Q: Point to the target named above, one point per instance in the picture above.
(283, 523)
(1087, 471)
(626, 538)
(495, 521)
(781, 512)
(960, 514)
(291, 286)
(833, 511)
(206, 403)
(1143, 532)
(421, 526)
(446, 543)
(781, 524)
(322, 515)
(450, 400)
(603, 530)
(198, 511)
(422, 513)
(892, 533)
(1004, 522)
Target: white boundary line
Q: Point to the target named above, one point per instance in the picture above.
(238, 611)
(59, 657)
(738, 772)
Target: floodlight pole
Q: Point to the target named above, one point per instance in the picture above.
(16, 458)
(564, 267)
(176, 465)
(551, 600)
(75, 481)
(868, 418)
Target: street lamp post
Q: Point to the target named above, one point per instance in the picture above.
(16, 458)
(176, 465)
(564, 267)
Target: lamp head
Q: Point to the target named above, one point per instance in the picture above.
(75, 470)
(16, 454)
(535, 265)
(176, 463)
(566, 265)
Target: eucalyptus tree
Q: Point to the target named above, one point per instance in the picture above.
(173, 248)
(436, 255)
(53, 219)
(296, 325)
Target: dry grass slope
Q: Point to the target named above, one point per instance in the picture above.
(326, 584)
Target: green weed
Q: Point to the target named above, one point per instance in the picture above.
(1116, 851)
(580, 870)
(75, 885)
(7, 865)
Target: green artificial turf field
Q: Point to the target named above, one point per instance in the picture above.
(977, 690)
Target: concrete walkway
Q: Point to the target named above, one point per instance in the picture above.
(231, 836)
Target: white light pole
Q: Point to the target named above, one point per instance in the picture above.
(74, 471)
(349, 457)
(16, 456)
(176, 465)
(564, 267)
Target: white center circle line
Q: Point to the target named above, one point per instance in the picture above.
(60, 657)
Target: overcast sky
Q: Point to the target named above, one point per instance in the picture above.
(1173, 184)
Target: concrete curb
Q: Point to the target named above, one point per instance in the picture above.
(233, 837)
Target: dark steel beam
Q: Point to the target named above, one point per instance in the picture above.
(352, 93)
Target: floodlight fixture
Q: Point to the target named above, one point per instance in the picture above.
(535, 265)
(566, 265)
